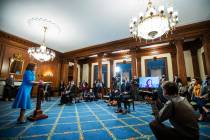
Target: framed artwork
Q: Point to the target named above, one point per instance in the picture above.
(156, 67)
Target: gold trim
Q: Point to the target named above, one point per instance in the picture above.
(16, 57)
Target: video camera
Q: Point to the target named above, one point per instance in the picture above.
(153, 95)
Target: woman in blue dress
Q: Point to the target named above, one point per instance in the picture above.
(23, 98)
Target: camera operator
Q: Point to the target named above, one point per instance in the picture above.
(179, 112)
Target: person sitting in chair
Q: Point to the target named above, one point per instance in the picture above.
(64, 94)
(9, 88)
(180, 114)
(47, 92)
(203, 100)
(113, 96)
(62, 88)
(84, 88)
(89, 96)
(123, 98)
(71, 91)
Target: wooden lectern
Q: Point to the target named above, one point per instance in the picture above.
(38, 114)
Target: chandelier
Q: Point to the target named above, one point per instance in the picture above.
(153, 24)
(41, 53)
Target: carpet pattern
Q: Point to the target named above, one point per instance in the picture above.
(82, 121)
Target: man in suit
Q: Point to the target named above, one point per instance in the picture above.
(124, 96)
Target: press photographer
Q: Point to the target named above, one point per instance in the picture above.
(180, 114)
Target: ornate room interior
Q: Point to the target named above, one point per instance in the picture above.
(102, 41)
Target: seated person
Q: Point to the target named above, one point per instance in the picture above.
(62, 88)
(84, 88)
(199, 99)
(89, 95)
(9, 88)
(113, 95)
(125, 94)
(77, 95)
(47, 92)
(180, 114)
(69, 94)
(203, 100)
(71, 91)
(64, 94)
(190, 89)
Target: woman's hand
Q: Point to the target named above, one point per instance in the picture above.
(32, 82)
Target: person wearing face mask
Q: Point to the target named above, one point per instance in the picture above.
(203, 99)
(180, 114)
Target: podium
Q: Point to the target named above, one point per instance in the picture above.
(38, 114)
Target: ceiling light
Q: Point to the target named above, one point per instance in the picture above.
(154, 46)
(104, 59)
(154, 23)
(41, 53)
(121, 51)
(95, 55)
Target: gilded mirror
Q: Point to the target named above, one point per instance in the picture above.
(16, 64)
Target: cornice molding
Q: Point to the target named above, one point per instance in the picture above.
(182, 32)
(16, 41)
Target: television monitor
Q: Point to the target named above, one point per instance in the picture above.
(149, 82)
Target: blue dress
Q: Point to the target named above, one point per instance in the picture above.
(23, 97)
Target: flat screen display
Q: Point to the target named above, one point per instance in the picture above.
(149, 82)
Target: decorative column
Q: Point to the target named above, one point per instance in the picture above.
(206, 46)
(90, 74)
(195, 62)
(139, 66)
(133, 60)
(75, 72)
(181, 62)
(111, 73)
(2, 52)
(174, 63)
(99, 67)
(81, 72)
(64, 71)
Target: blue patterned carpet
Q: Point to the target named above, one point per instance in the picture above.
(87, 120)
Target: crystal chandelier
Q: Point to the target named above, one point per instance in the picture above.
(153, 24)
(41, 53)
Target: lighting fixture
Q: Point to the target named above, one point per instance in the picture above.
(154, 23)
(41, 53)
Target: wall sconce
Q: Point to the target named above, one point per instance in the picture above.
(48, 74)
(155, 52)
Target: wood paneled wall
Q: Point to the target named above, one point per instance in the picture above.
(10, 45)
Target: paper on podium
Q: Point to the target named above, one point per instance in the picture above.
(42, 82)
